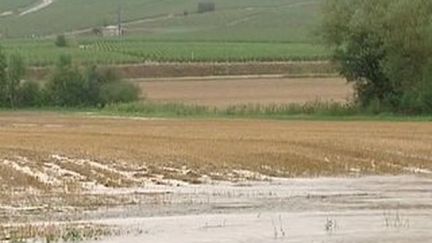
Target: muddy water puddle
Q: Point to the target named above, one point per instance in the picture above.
(368, 209)
(364, 209)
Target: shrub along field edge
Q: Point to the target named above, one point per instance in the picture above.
(163, 70)
(69, 85)
(315, 110)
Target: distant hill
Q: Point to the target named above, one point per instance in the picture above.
(233, 20)
(14, 6)
(163, 30)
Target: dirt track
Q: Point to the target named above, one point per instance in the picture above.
(43, 4)
(232, 91)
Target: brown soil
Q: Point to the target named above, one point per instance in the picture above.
(225, 92)
(273, 147)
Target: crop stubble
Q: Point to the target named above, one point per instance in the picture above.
(54, 165)
(282, 148)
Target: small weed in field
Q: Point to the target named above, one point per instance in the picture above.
(72, 235)
(17, 240)
(394, 220)
(53, 233)
(330, 225)
(278, 229)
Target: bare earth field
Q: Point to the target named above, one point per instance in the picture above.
(244, 90)
(78, 176)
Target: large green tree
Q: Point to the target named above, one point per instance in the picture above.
(384, 47)
(67, 85)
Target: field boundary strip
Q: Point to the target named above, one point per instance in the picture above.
(211, 70)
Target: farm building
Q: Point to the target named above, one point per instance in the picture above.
(112, 30)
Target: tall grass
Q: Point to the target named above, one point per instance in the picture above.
(247, 110)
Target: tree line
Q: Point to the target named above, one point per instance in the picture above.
(385, 48)
(68, 86)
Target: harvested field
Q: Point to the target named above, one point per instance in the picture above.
(244, 90)
(79, 169)
(283, 148)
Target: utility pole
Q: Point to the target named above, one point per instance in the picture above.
(119, 19)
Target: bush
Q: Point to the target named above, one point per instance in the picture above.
(105, 86)
(206, 7)
(67, 85)
(72, 87)
(425, 90)
(419, 101)
(61, 41)
(30, 95)
(97, 31)
(118, 92)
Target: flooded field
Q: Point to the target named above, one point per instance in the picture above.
(366, 209)
(80, 177)
(371, 209)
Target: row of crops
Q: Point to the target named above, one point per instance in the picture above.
(42, 53)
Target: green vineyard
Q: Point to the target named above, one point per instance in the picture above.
(130, 51)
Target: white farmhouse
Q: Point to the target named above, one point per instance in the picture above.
(112, 30)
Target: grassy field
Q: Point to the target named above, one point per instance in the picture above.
(266, 21)
(159, 31)
(14, 5)
(133, 50)
(284, 20)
